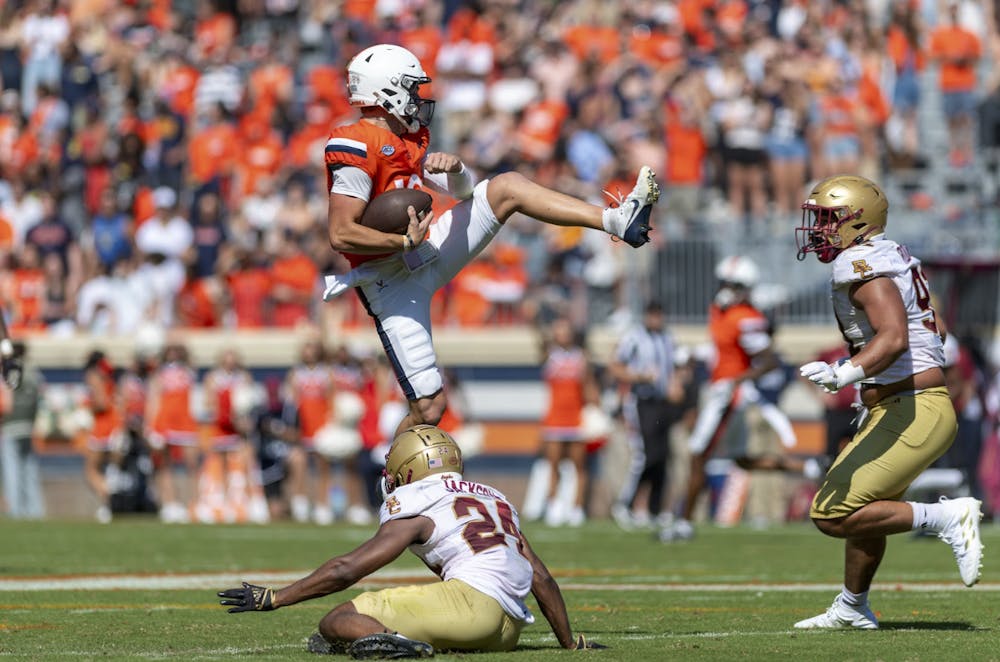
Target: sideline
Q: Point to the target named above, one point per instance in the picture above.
(189, 581)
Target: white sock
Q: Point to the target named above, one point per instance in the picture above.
(853, 599)
(929, 516)
(607, 217)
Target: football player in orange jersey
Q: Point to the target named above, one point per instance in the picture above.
(396, 275)
(743, 353)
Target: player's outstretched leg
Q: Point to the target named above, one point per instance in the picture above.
(511, 192)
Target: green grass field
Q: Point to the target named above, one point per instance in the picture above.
(729, 594)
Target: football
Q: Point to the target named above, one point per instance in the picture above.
(386, 212)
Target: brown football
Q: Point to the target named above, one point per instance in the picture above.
(386, 212)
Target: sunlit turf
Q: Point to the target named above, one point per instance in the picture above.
(642, 621)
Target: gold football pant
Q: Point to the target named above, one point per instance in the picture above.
(447, 615)
(902, 436)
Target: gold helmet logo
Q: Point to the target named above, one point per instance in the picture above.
(419, 452)
(841, 211)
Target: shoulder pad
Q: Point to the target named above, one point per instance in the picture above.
(869, 260)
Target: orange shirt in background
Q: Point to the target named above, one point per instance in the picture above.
(107, 420)
(27, 291)
(247, 290)
(178, 87)
(143, 207)
(959, 51)
(424, 41)
(173, 406)
(312, 392)
(586, 41)
(215, 33)
(564, 372)
(839, 114)
(657, 48)
(726, 327)
(468, 305)
(300, 275)
(212, 152)
(900, 50)
(686, 149)
(259, 157)
(6, 234)
(540, 126)
(196, 305)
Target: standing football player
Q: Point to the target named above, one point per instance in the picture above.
(467, 533)
(395, 275)
(883, 307)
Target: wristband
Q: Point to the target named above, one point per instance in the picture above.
(6, 348)
(848, 373)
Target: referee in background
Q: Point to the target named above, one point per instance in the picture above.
(644, 362)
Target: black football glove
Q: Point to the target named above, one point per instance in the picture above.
(248, 598)
(583, 644)
(12, 371)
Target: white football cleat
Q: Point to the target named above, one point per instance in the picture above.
(840, 616)
(629, 221)
(962, 533)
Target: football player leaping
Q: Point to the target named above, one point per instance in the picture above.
(396, 275)
(882, 303)
(467, 533)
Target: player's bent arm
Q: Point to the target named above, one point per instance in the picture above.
(337, 574)
(762, 363)
(880, 300)
(447, 174)
(349, 236)
(549, 597)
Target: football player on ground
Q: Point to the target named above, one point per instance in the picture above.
(466, 533)
(883, 307)
(395, 275)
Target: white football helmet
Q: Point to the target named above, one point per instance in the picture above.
(737, 276)
(738, 270)
(388, 76)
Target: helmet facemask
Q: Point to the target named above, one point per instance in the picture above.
(821, 231)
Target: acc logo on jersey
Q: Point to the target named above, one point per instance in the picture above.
(392, 503)
(862, 268)
(388, 150)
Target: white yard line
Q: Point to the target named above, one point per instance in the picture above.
(216, 580)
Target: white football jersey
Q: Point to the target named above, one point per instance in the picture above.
(883, 257)
(476, 537)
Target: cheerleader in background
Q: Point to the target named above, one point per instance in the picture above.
(105, 438)
(173, 431)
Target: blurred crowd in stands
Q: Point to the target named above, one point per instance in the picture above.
(161, 159)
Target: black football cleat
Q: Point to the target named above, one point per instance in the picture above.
(386, 646)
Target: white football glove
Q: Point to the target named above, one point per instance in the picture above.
(832, 377)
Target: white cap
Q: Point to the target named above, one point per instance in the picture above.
(164, 197)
